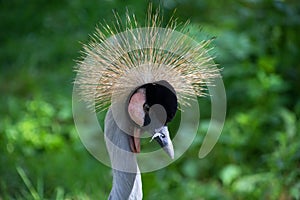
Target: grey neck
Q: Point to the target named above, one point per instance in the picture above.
(127, 182)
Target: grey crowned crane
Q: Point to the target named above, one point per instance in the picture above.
(141, 74)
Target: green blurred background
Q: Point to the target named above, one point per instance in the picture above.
(258, 154)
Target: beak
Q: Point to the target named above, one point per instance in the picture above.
(162, 136)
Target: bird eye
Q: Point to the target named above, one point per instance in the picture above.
(162, 135)
(146, 107)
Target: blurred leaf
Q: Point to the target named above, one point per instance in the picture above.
(229, 173)
(248, 184)
(295, 191)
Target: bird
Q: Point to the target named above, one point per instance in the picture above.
(141, 74)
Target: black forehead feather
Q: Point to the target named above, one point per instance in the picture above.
(162, 93)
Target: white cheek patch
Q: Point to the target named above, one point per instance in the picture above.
(135, 107)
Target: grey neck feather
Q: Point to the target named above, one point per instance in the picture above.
(127, 182)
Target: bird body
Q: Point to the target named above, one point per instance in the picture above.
(127, 182)
(141, 75)
(126, 185)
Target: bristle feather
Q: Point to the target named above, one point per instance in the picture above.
(108, 68)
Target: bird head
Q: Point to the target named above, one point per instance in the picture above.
(151, 107)
(138, 69)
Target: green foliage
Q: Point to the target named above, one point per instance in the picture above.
(258, 154)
